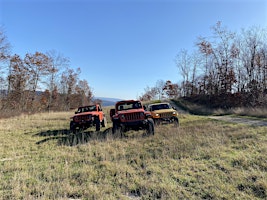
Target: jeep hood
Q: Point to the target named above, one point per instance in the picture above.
(87, 113)
(130, 111)
(163, 111)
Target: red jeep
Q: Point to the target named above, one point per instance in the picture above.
(130, 114)
(88, 116)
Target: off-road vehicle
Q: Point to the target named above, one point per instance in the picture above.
(163, 112)
(88, 116)
(131, 115)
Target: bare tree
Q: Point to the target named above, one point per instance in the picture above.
(58, 63)
(4, 46)
(183, 62)
(69, 79)
(83, 91)
(18, 79)
(4, 56)
(39, 65)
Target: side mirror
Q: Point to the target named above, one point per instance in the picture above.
(174, 108)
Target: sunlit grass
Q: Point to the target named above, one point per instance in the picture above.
(202, 159)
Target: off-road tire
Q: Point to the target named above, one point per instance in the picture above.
(72, 127)
(104, 122)
(176, 122)
(97, 123)
(150, 127)
(116, 130)
(157, 122)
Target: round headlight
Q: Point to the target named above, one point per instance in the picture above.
(122, 116)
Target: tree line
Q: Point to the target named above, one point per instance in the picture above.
(227, 69)
(39, 82)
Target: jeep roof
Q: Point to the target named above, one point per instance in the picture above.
(159, 106)
(89, 108)
(129, 104)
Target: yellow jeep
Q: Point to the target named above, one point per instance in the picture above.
(163, 112)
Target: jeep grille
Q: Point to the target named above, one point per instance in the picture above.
(82, 118)
(134, 116)
(166, 115)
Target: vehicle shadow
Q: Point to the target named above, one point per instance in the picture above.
(68, 138)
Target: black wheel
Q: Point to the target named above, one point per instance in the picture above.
(156, 122)
(97, 123)
(116, 129)
(104, 122)
(150, 127)
(176, 122)
(72, 126)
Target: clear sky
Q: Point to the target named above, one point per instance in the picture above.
(122, 46)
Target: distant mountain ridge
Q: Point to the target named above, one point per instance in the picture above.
(107, 101)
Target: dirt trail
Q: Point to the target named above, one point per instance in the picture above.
(240, 120)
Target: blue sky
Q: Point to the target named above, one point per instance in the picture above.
(122, 46)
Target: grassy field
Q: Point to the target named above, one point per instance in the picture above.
(202, 159)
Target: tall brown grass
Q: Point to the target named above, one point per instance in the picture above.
(202, 159)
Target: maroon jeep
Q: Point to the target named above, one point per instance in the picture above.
(88, 116)
(130, 114)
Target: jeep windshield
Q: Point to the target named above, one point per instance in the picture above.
(159, 107)
(129, 105)
(87, 109)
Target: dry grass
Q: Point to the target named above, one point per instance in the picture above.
(253, 112)
(203, 159)
(205, 110)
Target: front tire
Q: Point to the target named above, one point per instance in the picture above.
(176, 122)
(150, 127)
(72, 126)
(104, 122)
(97, 123)
(116, 129)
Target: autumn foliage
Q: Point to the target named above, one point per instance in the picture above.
(39, 82)
(227, 70)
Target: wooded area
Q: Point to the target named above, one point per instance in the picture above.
(227, 70)
(39, 82)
